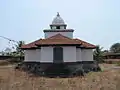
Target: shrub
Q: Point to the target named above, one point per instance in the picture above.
(118, 64)
(4, 62)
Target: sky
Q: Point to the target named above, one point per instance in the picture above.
(95, 21)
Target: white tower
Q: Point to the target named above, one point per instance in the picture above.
(58, 23)
(58, 26)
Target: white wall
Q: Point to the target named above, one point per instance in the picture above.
(78, 54)
(49, 34)
(46, 54)
(33, 55)
(69, 54)
(87, 54)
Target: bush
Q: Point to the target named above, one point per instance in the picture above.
(4, 62)
(118, 64)
(15, 60)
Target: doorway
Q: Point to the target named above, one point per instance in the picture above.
(57, 55)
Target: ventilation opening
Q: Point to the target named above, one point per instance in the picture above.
(58, 27)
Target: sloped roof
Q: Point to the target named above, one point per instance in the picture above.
(30, 45)
(86, 44)
(58, 39)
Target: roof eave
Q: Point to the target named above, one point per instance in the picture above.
(30, 48)
(59, 30)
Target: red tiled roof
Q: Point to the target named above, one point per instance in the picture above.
(30, 45)
(86, 44)
(58, 39)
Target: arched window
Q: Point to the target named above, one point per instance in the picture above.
(57, 54)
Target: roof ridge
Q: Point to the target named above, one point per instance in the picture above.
(59, 35)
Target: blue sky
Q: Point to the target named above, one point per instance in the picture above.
(95, 21)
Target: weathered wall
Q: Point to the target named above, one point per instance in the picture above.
(87, 54)
(69, 54)
(49, 34)
(46, 54)
(33, 55)
(78, 54)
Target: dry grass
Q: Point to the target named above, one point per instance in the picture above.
(18, 80)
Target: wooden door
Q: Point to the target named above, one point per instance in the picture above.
(57, 54)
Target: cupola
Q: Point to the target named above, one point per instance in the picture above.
(58, 23)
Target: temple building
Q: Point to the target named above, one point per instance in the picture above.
(59, 46)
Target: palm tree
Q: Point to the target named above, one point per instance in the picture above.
(115, 48)
(98, 54)
(19, 51)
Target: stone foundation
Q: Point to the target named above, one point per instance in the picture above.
(59, 69)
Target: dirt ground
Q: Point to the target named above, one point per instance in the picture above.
(108, 79)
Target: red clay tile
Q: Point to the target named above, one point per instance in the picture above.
(58, 39)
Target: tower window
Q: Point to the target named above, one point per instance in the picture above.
(58, 27)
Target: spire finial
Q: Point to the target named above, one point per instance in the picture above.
(58, 14)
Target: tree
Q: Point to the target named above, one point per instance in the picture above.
(98, 54)
(115, 48)
(18, 51)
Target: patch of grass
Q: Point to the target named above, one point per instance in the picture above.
(118, 64)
